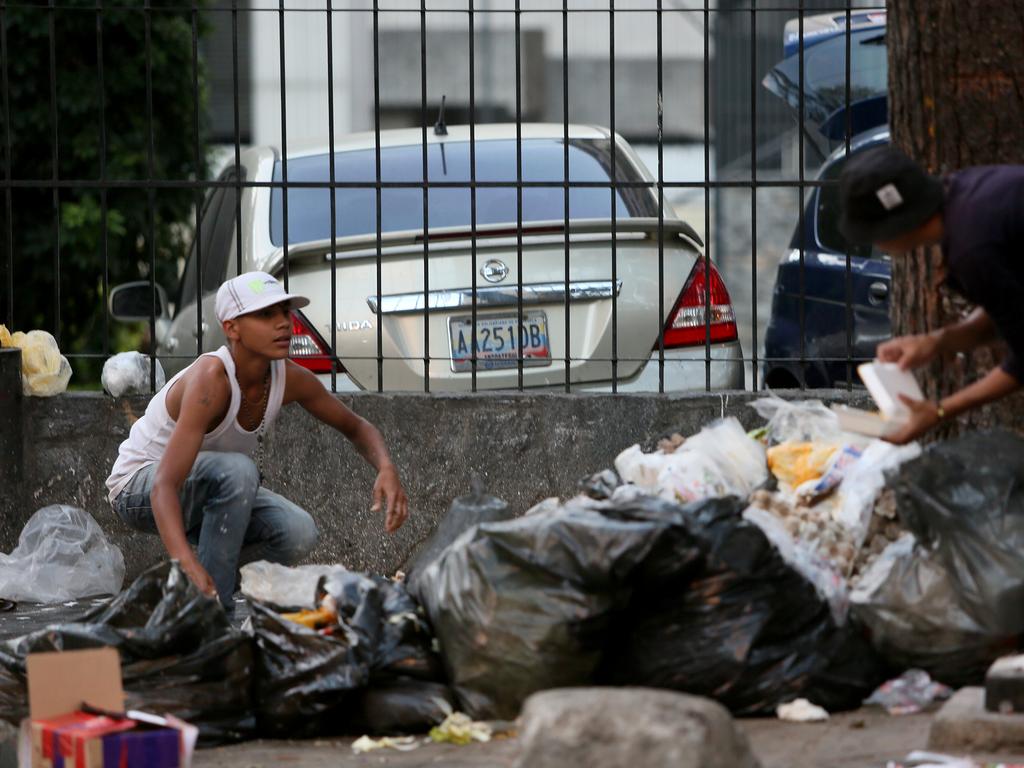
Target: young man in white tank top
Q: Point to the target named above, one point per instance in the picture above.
(187, 470)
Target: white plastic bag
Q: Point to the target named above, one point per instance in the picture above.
(44, 370)
(62, 554)
(798, 421)
(864, 480)
(721, 460)
(127, 373)
(284, 586)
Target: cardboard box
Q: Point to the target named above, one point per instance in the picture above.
(58, 734)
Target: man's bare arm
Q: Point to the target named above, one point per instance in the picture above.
(304, 388)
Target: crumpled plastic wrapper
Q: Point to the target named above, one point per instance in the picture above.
(460, 729)
(44, 370)
(366, 744)
(127, 373)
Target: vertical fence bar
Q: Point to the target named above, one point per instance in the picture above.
(55, 175)
(8, 163)
(284, 139)
(661, 205)
(238, 149)
(426, 197)
(565, 182)
(104, 245)
(150, 190)
(197, 153)
(800, 200)
(708, 236)
(334, 196)
(613, 196)
(754, 83)
(472, 190)
(849, 266)
(519, 201)
(376, 148)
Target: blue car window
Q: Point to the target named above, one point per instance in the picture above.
(543, 160)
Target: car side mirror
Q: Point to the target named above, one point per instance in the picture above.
(133, 302)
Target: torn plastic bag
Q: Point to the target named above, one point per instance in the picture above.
(964, 501)
(952, 603)
(392, 633)
(798, 421)
(402, 705)
(908, 601)
(721, 460)
(286, 588)
(127, 373)
(62, 554)
(465, 512)
(743, 626)
(178, 653)
(600, 485)
(306, 682)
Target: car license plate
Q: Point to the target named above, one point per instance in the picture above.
(497, 343)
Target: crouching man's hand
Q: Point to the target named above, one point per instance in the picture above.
(388, 492)
(198, 576)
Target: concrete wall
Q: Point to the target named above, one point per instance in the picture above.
(526, 447)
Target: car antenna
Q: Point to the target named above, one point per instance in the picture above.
(440, 129)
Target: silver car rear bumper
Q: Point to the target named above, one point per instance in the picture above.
(686, 370)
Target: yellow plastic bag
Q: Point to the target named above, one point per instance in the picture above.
(44, 370)
(796, 463)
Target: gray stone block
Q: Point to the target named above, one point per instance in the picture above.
(635, 727)
(1004, 685)
(964, 725)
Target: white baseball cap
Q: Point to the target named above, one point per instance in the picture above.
(251, 291)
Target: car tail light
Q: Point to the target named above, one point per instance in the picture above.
(308, 348)
(688, 322)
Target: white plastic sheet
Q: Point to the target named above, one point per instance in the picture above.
(62, 554)
(127, 373)
(721, 460)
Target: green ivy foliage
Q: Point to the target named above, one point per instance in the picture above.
(68, 118)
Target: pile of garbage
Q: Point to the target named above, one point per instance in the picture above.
(792, 565)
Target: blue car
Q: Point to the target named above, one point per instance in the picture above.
(830, 308)
(827, 315)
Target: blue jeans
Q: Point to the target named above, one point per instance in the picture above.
(227, 515)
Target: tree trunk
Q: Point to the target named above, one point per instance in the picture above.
(956, 99)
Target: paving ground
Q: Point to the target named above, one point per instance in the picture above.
(867, 738)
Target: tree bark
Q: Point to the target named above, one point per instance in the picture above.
(956, 99)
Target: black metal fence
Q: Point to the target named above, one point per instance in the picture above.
(597, 300)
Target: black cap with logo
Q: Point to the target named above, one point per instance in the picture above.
(883, 194)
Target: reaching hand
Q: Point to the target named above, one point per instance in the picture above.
(388, 490)
(909, 351)
(199, 576)
(924, 414)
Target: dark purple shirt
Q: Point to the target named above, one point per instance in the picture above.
(983, 244)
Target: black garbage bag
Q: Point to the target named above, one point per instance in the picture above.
(743, 628)
(306, 682)
(524, 605)
(179, 655)
(392, 633)
(465, 512)
(634, 590)
(950, 602)
(402, 705)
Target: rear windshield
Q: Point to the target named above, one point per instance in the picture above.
(309, 215)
